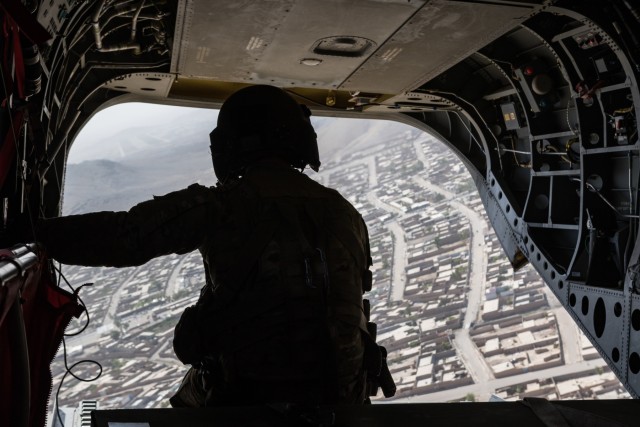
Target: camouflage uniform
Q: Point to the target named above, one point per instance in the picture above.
(281, 317)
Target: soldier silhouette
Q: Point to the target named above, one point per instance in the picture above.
(281, 317)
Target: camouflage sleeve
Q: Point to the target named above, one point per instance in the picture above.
(175, 223)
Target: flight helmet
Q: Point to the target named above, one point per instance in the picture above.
(262, 121)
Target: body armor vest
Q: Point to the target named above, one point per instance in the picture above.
(282, 317)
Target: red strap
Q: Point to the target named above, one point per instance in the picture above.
(6, 253)
(18, 60)
(6, 61)
(11, 33)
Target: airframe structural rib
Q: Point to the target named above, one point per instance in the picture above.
(557, 166)
(538, 98)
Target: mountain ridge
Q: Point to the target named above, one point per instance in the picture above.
(151, 159)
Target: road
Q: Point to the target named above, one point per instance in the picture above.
(107, 323)
(399, 262)
(473, 359)
(373, 172)
(398, 276)
(478, 263)
(568, 330)
(173, 282)
(465, 347)
(167, 361)
(467, 350)
(115, 298)
(569, 335)
(479, 390)
(372, 197)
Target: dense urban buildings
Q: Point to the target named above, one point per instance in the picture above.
(458, 322)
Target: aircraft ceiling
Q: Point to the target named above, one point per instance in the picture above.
(538, 98)
(352, 46)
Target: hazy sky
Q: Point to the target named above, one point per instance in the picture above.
(113, 120)
(109, 133)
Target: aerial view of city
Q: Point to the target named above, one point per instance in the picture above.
(458, 323)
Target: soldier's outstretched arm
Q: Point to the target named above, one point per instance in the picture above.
(175, 223)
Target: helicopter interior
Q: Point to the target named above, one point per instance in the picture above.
(536, 97)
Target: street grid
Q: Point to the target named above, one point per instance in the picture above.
(437, 271)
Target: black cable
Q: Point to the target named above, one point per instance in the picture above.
(76, 292)
(86, 310)
(60, 275)
(69, 369)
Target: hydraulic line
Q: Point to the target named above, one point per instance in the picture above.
(134, 21)
(96, 23)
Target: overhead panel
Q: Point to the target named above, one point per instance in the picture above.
(304, 43)
(440, 35)
(146, 84)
